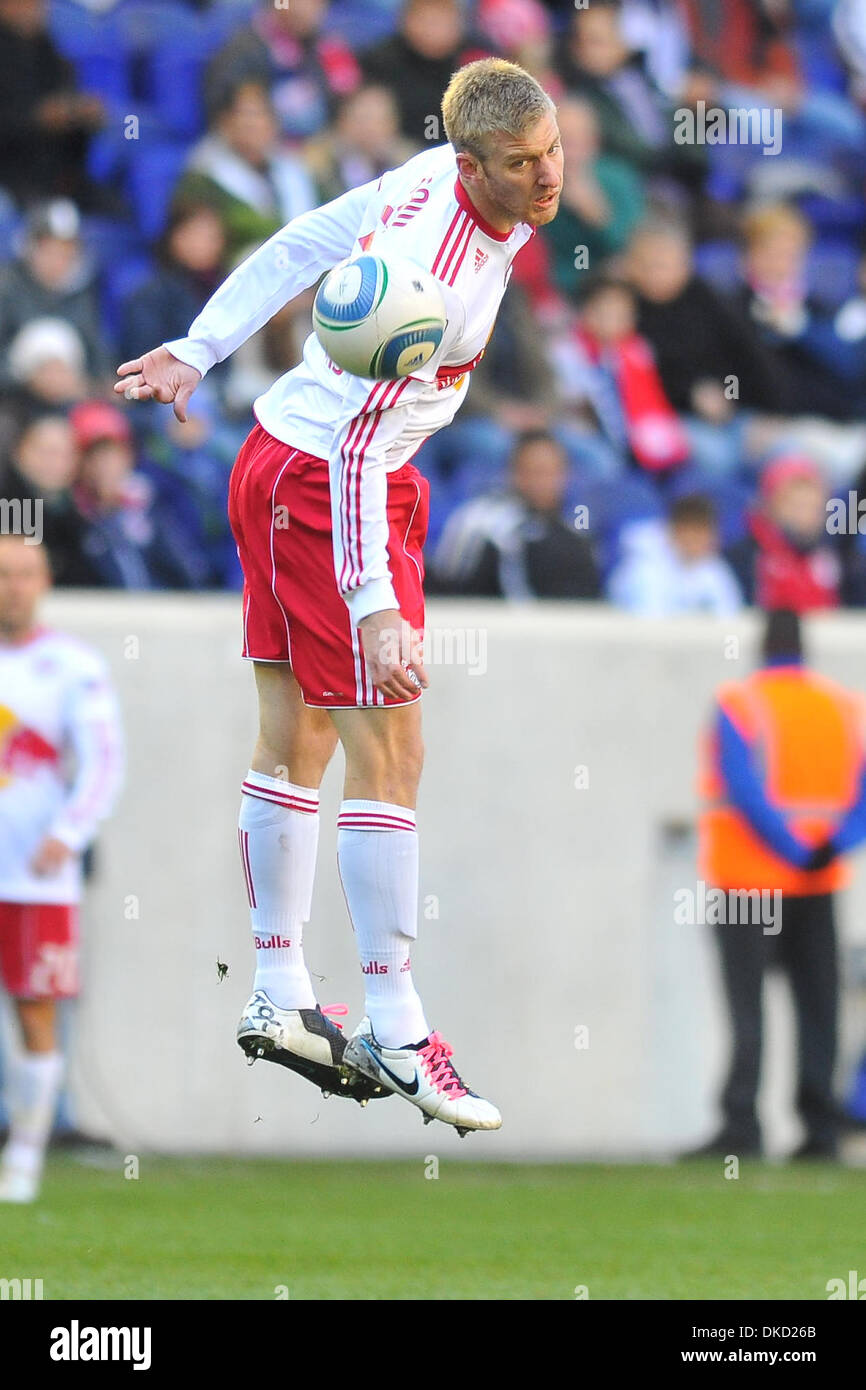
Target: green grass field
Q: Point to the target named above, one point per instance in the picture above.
(229, 1229)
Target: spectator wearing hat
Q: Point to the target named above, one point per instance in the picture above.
(52, 278)
(46, 366)
(130, 538)
(787, 558)
(522, 31)
(45, 121)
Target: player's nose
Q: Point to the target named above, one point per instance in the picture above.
(549, 175)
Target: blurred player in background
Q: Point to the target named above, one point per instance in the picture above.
(60, 765)
(333, 600)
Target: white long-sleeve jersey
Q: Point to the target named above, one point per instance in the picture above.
(60, 760)
(366, 429)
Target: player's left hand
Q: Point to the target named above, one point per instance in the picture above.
(822, 856)
(50, 857)
(392, 651)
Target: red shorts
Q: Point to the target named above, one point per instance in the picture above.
(293, 610)
(39, 950)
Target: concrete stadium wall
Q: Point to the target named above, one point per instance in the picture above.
(555, 814)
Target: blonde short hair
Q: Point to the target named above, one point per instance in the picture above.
(489, 96)
(770, 218)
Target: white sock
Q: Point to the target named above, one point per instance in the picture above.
(35, 1086)
(278, 833)
(377, 850)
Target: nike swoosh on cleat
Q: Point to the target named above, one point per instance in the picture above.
(409, 1090)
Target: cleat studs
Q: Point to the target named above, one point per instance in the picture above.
(428, 1119)
(326, 1095)
(364, 1102)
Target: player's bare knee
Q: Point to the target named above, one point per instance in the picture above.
(36, 1022)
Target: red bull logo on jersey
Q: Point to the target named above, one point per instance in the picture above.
(22, 750)
(414, 203)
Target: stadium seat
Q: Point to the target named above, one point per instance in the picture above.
(11, 224)
(94, 46)
(476, 475)
(375, 19)
(168, 45)
(841, 216)
(152, 172)
(612, 504)
(442, 504)
(120, 278)
(832, 271)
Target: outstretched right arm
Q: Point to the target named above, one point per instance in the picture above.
(287, 263)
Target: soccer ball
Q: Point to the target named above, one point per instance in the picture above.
(379, 320)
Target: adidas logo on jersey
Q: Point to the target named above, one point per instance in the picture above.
(481, 259)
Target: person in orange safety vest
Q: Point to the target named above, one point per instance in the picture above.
(784, 787)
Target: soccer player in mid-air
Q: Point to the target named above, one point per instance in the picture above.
(330, 514)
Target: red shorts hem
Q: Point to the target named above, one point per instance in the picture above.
(39, 950)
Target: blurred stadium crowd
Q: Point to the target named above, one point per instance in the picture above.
(677, 380)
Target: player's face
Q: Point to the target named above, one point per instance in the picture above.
(522, 177)
(23, 581)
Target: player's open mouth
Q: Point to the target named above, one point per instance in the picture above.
(547, 200)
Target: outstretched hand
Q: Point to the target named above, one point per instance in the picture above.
(158, 376)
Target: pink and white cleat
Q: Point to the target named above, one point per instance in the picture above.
(422, 1074)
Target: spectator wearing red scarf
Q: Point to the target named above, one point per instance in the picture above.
(606, 363)
(788, 559)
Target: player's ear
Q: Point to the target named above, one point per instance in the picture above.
(467, 165)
